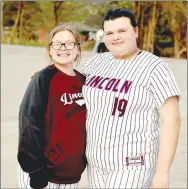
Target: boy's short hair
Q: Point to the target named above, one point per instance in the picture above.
(112, 14)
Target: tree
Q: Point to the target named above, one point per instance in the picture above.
(97, 11)
(74, 12)
(160, 24)
(173, 19)
(19, 18)
(2, 31)
(150, 34)
(178, 26)
(47, 13)
(57, 6)
(147, 17)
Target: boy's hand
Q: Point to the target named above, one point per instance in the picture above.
(160, 181)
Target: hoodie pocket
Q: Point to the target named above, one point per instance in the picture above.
(54, 155)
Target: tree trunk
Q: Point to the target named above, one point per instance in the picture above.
(176, 42)
(141, 27)
(15, 28)
(137, 6)
(57, 6)
(145, 38)
(181, 51)
(55, 13)
(2, 28)
(153, 25)
(151, 28)
(21, 21)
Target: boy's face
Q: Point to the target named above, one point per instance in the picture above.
(120, 36)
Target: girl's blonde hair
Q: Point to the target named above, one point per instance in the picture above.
(65, 27)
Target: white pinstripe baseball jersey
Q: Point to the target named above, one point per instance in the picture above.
(123, 98)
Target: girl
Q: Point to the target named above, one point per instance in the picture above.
(52, 118)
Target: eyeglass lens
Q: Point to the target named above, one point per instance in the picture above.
(68, 45)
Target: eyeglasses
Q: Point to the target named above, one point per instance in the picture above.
(67, 45)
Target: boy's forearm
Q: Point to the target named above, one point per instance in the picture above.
(168, 145)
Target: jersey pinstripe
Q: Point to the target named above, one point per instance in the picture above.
(123, 98)
(101, 178)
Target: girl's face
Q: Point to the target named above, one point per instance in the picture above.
(63, 48)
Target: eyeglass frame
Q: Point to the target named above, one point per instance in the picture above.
(63, 44)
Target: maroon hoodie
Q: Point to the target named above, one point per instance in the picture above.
(53, 110)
